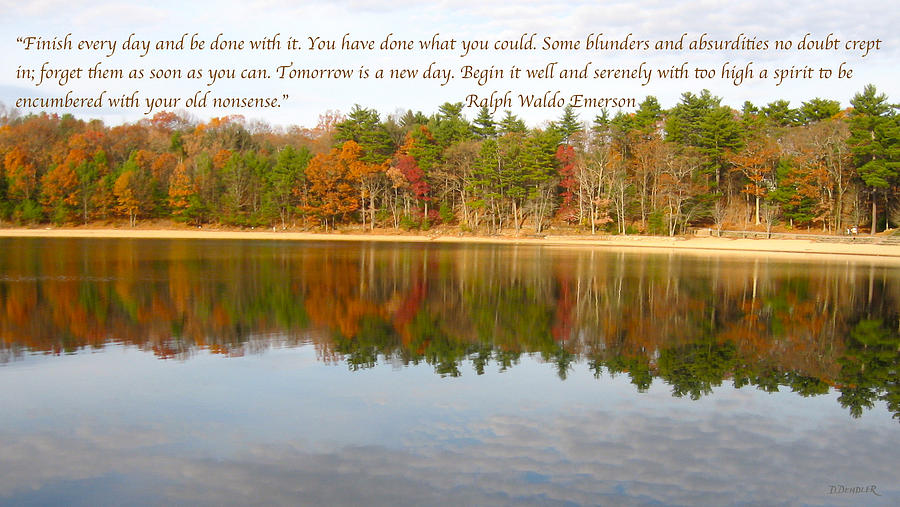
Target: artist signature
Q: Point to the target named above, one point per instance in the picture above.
(852, 490)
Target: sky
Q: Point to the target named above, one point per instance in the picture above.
(281, 427)
(651, 20)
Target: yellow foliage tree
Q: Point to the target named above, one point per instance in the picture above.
(127, 202)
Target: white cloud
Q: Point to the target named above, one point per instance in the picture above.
(119, 14)
(583, 457)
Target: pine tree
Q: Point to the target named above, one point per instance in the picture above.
(718, 134)
(410, 119)
(364, 127)
(485, 184)
(683, 121)
(817, 110)
(568, 124)
(511, 124)
(449, 126)
(780, 114)
(485, 128)
(875, 144)
(282, 180)
(648, 113)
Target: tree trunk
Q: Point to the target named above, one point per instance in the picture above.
(372, 211)
(757, 210)
(874, 216)
(593, 220)
(515, 217)
(465, 207)
(581, 209)
(838, 219)
(394, 209)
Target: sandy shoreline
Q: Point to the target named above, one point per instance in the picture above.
(793, 247)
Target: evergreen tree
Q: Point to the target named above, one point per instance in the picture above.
(286, 175)
(364, 127)
(795, 204)
(410, 119)
(88, 179)
(485, 185)
(875, 144)
(601, 121)
(568, 124)
(485, 127)
(718, 132)
(779, 113)
(648, 113)
(176, 143)
(424, 147)
(511, 123)
(683, 121)
(449, 126)
(750, 117)
(601, 127)
(817, 110)
(618, 135)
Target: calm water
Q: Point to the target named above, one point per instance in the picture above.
(229, 372)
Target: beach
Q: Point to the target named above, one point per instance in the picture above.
(744, 246)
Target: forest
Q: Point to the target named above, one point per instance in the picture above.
(817, 167)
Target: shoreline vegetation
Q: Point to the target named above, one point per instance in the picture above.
(699, 165)
(840, 246)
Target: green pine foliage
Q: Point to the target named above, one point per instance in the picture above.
(875, 144)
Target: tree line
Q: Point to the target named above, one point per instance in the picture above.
(699, 163)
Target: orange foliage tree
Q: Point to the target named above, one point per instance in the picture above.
(126, 200)
(22, 173)
(366, 176)
(182, 194)
(756, 162)
(133, 191)
(60, 192)
(332, 179)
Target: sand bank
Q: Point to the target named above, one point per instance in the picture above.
(699, 244)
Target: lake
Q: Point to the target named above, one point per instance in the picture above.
(210, 372)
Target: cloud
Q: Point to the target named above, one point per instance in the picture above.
(118, 14)
(633, 457)
(34, 7)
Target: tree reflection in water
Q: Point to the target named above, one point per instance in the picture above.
(693, 322)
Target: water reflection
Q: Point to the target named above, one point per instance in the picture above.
(693, 322)
(610, 454)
